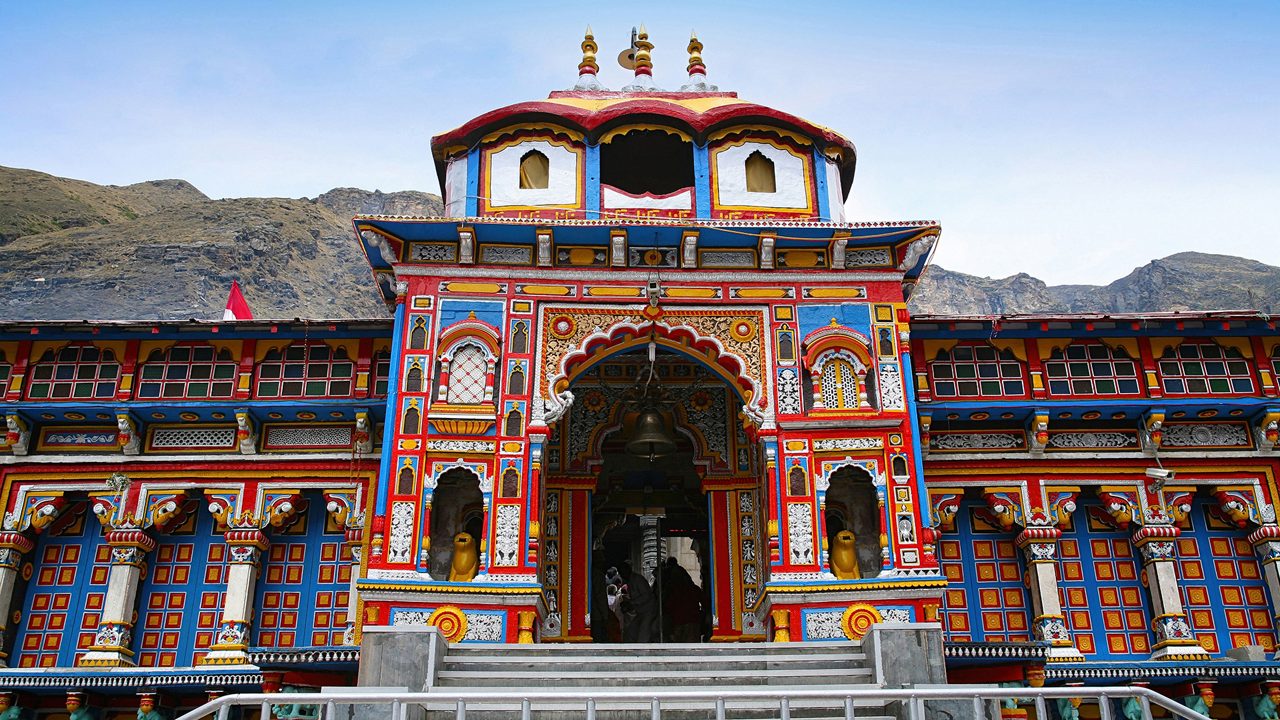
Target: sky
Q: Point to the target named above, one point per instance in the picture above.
(1072, 141)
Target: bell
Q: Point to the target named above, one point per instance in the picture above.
(650, 439)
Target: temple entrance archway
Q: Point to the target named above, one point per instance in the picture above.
(697, 502)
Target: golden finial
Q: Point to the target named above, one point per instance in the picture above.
(589, 49)
(644, 65)
(696, 66)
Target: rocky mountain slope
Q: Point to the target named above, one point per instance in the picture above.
(1185, 281)
(162, 250)
(33, 202)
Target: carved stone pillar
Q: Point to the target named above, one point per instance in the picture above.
(13, 545)
(1040, 547)
(353, 538)
(1266, 542)
(110, 646)
(231, 645)
(1174, 638)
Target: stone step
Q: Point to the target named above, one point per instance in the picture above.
(553, 676)
(806, 709)
(551, 650)
(575, 663)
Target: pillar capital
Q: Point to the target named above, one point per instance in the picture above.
(1039, 544)
(1156, 542)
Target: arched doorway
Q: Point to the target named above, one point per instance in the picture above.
(681, 518)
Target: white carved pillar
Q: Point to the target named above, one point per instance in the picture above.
(1174, 638)
(1266, 542)
(110, 647)
(231, 645)
(1040, 547)
(13, 545)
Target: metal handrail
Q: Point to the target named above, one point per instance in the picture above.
(591, 698)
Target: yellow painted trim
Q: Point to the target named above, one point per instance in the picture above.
(933, 347)
(1129, 345)
(613, 292)
(557, 290)
(624, 129)
(549, 128)
(762, 293)
(1240, 344)
(1160, 344)
(1017, 347)
(849, 293)
(756, 131)
(695, 292)
(471, 287)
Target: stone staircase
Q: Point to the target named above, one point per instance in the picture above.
(596, 670)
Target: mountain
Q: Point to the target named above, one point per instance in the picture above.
(1184, 281)
(162, 250)
(34, 202)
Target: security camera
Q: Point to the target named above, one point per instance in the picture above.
(1159, 474)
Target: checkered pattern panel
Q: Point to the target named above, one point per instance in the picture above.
(1101, 590)
(1222, 585)
(64, 598)
(304, 587)
(180, 597)
(985, 599)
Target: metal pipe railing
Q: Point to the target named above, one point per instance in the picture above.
(594, 700)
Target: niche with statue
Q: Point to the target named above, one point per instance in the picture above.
(457, 526)
(853, 524)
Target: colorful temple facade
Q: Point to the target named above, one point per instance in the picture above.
(642, 329)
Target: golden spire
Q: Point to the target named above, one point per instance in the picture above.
(644, 65)
(588, 65)
(588, 68)
(697, 69)
(696, 66)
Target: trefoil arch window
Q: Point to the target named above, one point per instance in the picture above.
(468, 372)
(535, 171)
(761, 176)
(840, 381)
(413, 378)
(418, 335)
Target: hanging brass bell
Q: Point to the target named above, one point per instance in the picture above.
(650, 439)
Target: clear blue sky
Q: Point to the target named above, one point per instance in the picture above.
(1072, 141)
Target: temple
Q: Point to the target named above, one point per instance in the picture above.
(643, 338)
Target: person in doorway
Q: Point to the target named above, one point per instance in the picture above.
(681, 604)
(639, 607)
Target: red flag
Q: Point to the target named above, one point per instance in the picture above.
(237, 308)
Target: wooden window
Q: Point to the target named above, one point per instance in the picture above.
(515, 381)
(381, 373)
(193, 372)
(413, 379)
(796, 481)
(535, 171)
(412, 421)
(839, 385)
(976, 371)
(1091, 369)
(513, 426)
(520, 338)
(305, 371)
(418, 335)
(760, 174)
(467, 375)
(5, 371)
(75, 372)
(510, 483)
(1204, 369)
